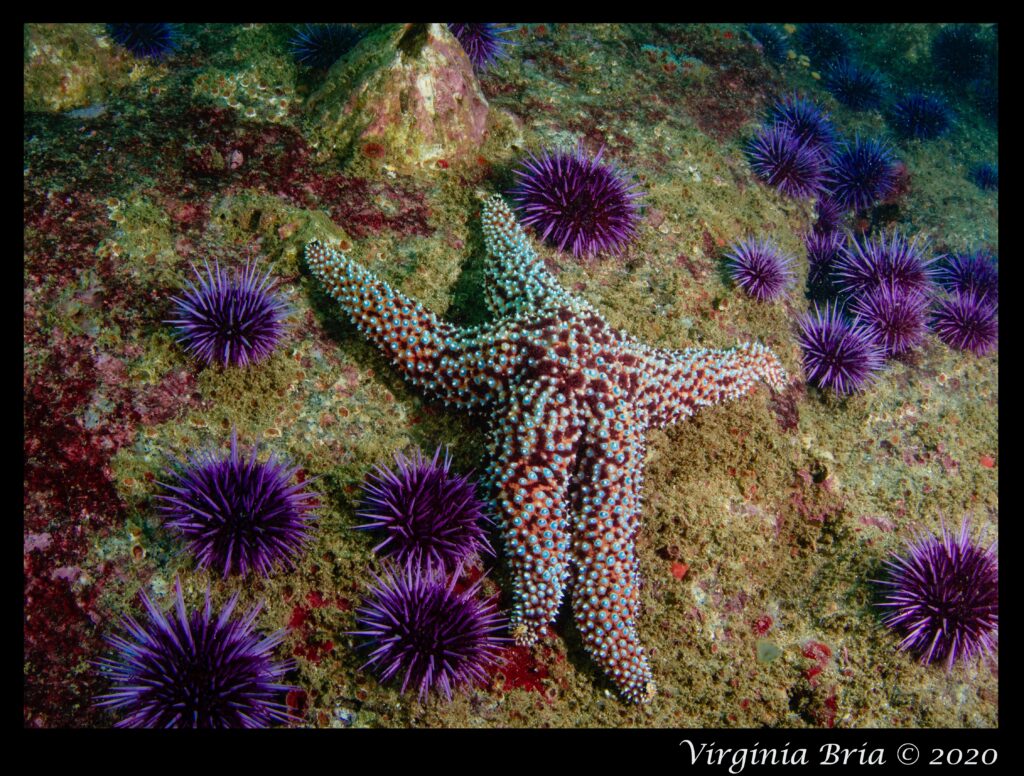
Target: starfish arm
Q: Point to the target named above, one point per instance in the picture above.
(468, 367)
(606, 593)
(516, 279)
(534, 444)
(680, 382)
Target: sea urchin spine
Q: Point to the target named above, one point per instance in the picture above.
(483, 43)
(861, 173)
(837, 355)
(149, 40)
(431, 517)
(194, 670)
(943, 597)
(231, 321)
(781, 159)
(577, 202)
(895, 318)
(866, 264)
(321, 45)
(419, 629)
(239, 515)
(966, 321)
(760, 268)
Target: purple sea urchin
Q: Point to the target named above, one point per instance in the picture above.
(829, 215)
(484, 44)
(862, 172)
(920, 116)
(194, 670)
(431, 517)
(806, 121)
(822, 252)
(837, 355)
(966, 321)
(575, 201)
(239, 515)
(960, 54)
(321, 45)
(943, 597)
(854, 85)
(823, 42)
(896, 319)
(781, 159)
(865, 264)
(985, 176)
(234, 322)
(420, 629)
(760, 268)
(772, 41)
(971, 273)
(150, 40)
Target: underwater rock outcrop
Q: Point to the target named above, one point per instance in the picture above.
(410, 89)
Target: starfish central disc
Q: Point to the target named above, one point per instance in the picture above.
(568, 400)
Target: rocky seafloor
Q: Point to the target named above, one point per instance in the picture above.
(764, 520)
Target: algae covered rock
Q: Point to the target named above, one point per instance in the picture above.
(407, 94)
(70, 65)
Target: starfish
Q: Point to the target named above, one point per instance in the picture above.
(569, 400)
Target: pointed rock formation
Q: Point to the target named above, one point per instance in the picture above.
(406, 94)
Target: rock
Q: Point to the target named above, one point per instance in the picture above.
(70, 66)
(408, 94)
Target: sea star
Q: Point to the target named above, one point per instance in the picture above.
(569, 398)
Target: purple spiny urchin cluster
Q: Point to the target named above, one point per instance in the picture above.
(576, 202)
(861, 173)
(760, 268)
(422, 632)
(195, 670)
(967, 321)
(484, 44)
(895, 318)
(234, 321)
(865, 264)
(837, 354)
(942, 597)
(417, 627)
(239, 515)
(430, 517)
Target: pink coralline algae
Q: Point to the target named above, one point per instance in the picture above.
(565, 393)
